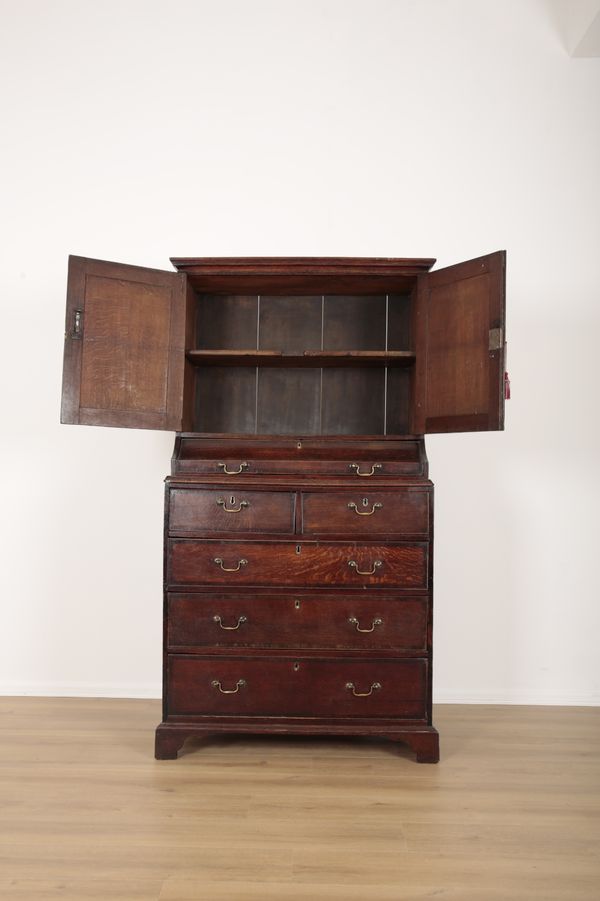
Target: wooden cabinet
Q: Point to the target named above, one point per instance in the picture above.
(299, 512)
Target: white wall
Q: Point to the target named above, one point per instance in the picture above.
(136, 129)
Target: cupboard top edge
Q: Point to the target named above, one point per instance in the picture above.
(301, 275)
(321, 265)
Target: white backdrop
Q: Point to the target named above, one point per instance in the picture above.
(137, 129)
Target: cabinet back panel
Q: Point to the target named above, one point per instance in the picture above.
(226, 399)
(302, 401)
(289, 401)
(398, 401)
(399, 336)
(295, 324)
(226, 321)
(353, 401)
(290, 324)
(354, 323)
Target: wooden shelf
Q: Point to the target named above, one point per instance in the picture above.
(315, 358)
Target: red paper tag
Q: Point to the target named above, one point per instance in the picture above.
(506, 386)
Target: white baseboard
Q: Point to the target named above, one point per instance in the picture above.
(536, 697)
(82, 689)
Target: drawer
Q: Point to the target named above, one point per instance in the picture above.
(301, 621)
(360, 460)
(231, 509)
(278, 686)
(401, 512)
(359, 469)
(232, 563)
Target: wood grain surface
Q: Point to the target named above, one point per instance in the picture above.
(87, 814)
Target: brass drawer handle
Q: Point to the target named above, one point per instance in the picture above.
(353, 506)
(368, 572)
(222, 503)
(376, 622)
(229, 691)
(241, 619)
(356, 468)
(232, 472)
(233, 569)
(363, 694)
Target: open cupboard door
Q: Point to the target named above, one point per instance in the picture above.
(459, 342)
(124, 346)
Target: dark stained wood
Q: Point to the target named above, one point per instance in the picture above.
(353, 401)
(399, 322)
(396, 512)
(301, 275)
(290, 324)
(277, 456)
(423, 739)
(460, 373)
(296, 686)
(357, 322)
(227, 509)
(288, 401)
(226, 321)
(124, 361)
(398, 400)
(189, 375)
(225, 400)
(313, 358)
(192, 562)
(300, 620)
(297, 382)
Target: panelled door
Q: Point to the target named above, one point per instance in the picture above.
(124, 346)
(460, 341)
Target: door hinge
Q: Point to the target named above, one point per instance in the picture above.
(77, 331)
(496, 339)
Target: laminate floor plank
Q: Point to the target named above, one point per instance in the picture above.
(511, 812)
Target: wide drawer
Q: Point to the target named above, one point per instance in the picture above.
(358, 469)
(401, 512)
(302, 621)
(268, 686)
(360, 460)
(231, 563)
(231, 510)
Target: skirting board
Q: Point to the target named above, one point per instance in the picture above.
(536, 697)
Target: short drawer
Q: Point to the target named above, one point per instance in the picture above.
(278, 686)
(233, 563)
(301, 621)
(231, 509)
(401, 512)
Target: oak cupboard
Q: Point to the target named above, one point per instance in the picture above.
(298, 572)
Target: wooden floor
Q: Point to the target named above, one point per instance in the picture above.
(512, 810)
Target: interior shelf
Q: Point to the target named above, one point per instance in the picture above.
(315, 358)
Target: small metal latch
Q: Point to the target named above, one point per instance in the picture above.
(496, 339)
(77, 324)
